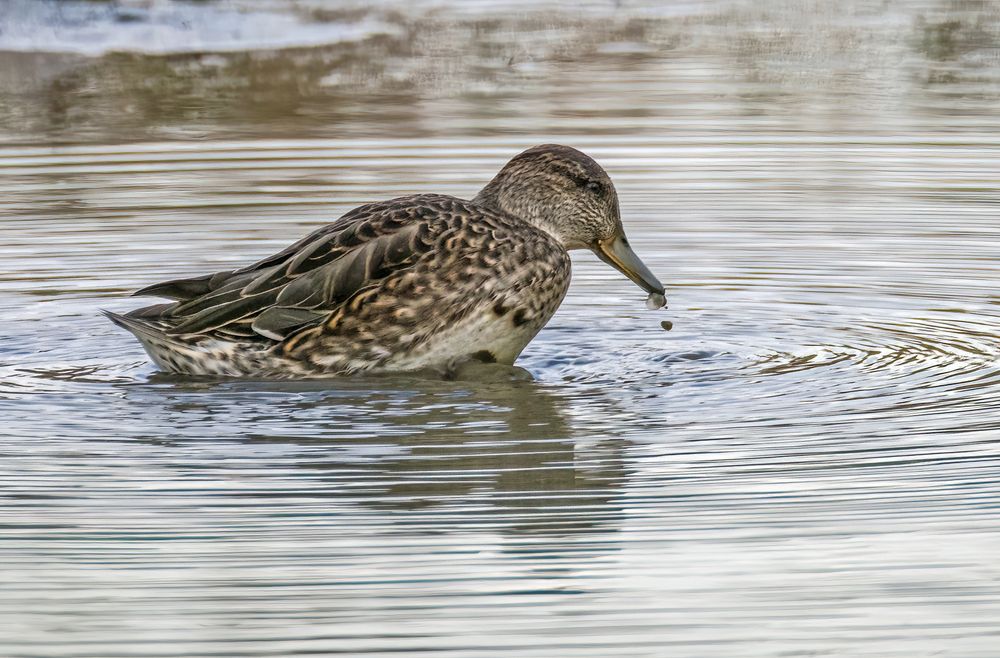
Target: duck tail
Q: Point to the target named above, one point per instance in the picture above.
(141, 329)
(169, 352)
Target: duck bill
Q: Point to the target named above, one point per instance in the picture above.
(616, 252)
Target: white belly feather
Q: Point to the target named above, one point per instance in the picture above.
(476, 333)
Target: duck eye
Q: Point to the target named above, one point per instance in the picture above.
(594, 186)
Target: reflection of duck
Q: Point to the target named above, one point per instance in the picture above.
(514, 445)
(417, 282)
(412, 446)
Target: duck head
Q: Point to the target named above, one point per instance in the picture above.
(567, 194)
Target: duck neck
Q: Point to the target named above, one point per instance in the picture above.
(489, 197)
(521, 207)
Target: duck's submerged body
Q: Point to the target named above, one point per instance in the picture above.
(425, 281)
(419, 282)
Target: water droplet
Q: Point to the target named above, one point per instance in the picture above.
(655, 300)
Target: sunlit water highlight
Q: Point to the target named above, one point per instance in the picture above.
(805, 465)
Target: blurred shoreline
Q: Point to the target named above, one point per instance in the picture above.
(141, 71)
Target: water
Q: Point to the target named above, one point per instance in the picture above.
(806, 465)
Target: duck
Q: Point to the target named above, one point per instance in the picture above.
(419, 282)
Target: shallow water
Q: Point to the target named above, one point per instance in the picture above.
(807, 464)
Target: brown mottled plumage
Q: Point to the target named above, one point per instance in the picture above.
(423, 281)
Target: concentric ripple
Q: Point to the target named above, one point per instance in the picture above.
(806, 464)
(828, 392)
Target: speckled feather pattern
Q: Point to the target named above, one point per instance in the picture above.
(419, 282)
(382, 284)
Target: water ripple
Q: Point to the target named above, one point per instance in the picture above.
(806, 463)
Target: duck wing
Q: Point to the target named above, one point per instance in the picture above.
(189, 288)
(302, 284)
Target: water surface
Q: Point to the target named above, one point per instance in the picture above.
(806, 465)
